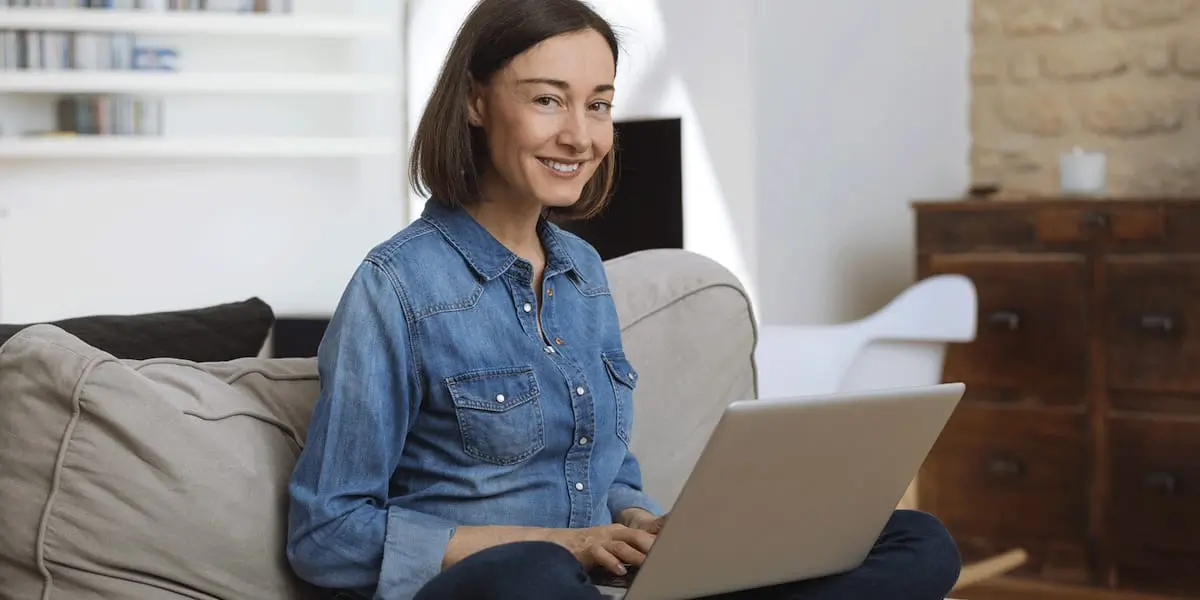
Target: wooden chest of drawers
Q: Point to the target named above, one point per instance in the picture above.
(1079, 435)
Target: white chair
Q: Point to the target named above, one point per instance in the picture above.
(901, 345)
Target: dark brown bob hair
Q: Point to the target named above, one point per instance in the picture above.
(448, 154)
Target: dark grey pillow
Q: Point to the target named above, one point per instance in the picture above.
(213, 334)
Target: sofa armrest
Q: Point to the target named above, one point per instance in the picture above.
(688, 327)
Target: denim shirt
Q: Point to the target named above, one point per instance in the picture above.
(441, 405)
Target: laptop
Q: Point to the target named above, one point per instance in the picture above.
(789, 489)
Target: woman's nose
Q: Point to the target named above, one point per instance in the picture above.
(574, 133)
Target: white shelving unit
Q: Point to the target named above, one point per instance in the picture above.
(260, 25)
(257, 26)
(160, 83)
(280, 159)
(114, 147)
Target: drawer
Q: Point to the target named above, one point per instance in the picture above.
(1031, 340)
(1154, 517)
(1010, 473)
(1041, 226)
(1154, 470)
(1106, 222)
(1153, 322)
(974, 228)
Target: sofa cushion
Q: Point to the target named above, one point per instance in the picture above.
(210, 334)
(157, 479)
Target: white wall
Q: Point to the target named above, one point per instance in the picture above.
(123, 236)
(860, 107)
(808, 127)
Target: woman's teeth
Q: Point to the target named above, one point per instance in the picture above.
(561, 167)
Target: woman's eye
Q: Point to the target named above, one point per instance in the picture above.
(603, 107)
(545, 101)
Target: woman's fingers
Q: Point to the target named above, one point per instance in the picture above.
(654, 527)
(606, 560)
(626, 554)
(658, 525)
(616, 547)
(642, 540)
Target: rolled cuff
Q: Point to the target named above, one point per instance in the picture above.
(622, 496)
(412, 552)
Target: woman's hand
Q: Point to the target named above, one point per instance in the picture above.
(608, 546)
(638, 518)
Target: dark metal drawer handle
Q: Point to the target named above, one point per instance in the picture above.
(1005, 319)
(1096, 220)
(1162, 481)
(1005, 467)
(1158, 323)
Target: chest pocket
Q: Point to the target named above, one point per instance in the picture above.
(624, 382)
(499, 414)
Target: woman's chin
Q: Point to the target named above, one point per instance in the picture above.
(559, 200)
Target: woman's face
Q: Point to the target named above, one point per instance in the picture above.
(547, 118)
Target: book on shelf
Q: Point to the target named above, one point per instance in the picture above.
(107, 114)
(100, 115)
(107, 51)
(84, 50)
(225, 6)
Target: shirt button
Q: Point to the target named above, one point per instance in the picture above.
(579, 486)
(499, 397)
(527, 308)
(583, 441)
(558, 341)
(630, 376)
(579, 390)
(550, 291)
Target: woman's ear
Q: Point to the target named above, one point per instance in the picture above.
(476, 104)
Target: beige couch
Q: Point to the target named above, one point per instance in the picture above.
(165, 479)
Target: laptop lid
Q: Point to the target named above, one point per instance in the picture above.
(789, 489)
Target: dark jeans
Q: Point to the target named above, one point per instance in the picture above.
(914, 559)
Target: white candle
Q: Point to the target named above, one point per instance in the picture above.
(1083, 172)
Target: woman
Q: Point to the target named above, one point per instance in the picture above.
(471, 435)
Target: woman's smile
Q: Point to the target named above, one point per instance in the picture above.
(563, 169)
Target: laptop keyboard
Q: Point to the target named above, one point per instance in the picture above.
(602, 576)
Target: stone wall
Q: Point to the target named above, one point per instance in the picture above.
(1121, 76)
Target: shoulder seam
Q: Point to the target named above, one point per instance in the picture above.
(385, 251)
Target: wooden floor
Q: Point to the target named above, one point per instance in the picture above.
(1004, 588)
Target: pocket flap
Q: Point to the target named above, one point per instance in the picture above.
(495, 390)
(620, 369)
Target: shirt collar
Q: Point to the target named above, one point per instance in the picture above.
(484, 253)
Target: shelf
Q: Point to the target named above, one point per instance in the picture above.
(158, 82)
(200, 147)
(253, 24)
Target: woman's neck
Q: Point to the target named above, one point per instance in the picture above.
(512, 223)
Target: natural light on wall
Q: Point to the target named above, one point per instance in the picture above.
(648, 86)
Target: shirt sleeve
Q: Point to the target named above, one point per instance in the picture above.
(626, 491)
(343, 531)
